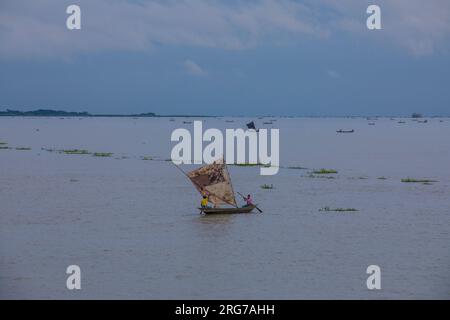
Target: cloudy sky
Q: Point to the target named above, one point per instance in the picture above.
(230, 57)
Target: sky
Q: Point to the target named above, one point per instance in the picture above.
(230, 57)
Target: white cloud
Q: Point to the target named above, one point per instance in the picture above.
(30, 28)
(420, 27)
(194, 69)
(37, 28)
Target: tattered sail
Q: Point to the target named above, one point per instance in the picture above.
(214, 181)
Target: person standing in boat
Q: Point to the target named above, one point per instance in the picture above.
(204, 202)
(248, 201)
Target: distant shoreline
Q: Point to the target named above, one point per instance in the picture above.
(59, 113)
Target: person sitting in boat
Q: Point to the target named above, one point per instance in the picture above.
(248, 201)
(204, 202)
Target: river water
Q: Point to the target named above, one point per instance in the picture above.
(133, 228)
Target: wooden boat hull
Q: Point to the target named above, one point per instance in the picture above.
(227, 210)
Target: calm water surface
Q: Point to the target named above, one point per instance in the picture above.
(133, 228)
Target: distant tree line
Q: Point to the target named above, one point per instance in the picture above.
(59, 113)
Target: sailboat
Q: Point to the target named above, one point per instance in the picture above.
(214, 181)
(251, 125)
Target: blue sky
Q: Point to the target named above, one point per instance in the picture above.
(268, 57)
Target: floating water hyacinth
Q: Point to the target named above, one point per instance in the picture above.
(103, 154)
(325, 171)
(246, 164)
(328, 209)
(75, 151)
(411, 180)
(320, 176)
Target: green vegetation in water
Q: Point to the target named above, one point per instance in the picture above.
(382, 178)
(4, 148)
(147, 158)
(23, 148)
(320, 176)
(3, 143)
(267, 186)
(328, 209)
(325, 171)
(246, 164)
(103, 154)
(75, 151)
(297, 168)
(251, 165)
(410, 180)
(363, 178)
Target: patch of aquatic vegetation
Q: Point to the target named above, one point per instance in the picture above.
(411, 180)
(320, 176)
(3, 143)
(103, 154)
(297, 168)
(23, 148)
(251, 165)
(328, 209)
(382, 178)
(246, 164)
(75, 151)
(363, 178)
(147, 158)
(267, 186)
(4, 148)
(325, 171)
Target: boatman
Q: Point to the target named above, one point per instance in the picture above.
(204, 202)
(248, 201)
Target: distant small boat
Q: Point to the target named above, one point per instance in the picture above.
(187, 122)
(251, 125)
(345, 131)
